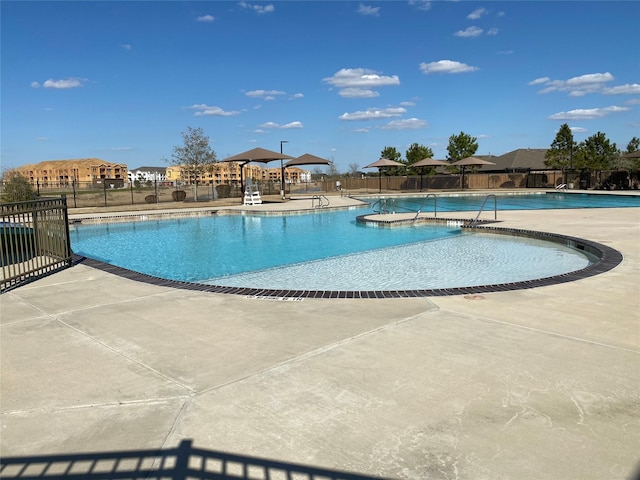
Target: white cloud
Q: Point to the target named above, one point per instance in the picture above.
(259, 130)
(587, 113)
(633, 101)
(469, 32)
(70, 82)
(373, 114)
(206, 110)
(577, 129)
(538, 81)
(126, 46)
(354, 92)
(266, 94)
(361, 130)
(297, 95)
(42, 139)
(505, 52)
(446, 66)
(477, 13)
(206, 18)
(405, 124)
(576, 86)
(35, 85)
(626, 89)
(269, 125)
(492, 31)
(292, 125)
(360, 82)
(421, 4)
(120, 149)
(257, 8)
(407, 104)
(367, 10)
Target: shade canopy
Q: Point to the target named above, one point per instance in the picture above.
(385, 162)
(257, 155)
(472, 162)
(307, 159)
(261, 155)
(429, 162)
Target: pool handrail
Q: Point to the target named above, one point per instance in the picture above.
(495, 208)
(322, 201)
(435, 205)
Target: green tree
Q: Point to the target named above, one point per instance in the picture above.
(560, 154)
(391, 153)
(195, 156)
(597, 153)
(414, 154)
(633, 146)
(16, 188)
(461, 146)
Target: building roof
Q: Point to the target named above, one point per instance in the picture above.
(150, 169)
(521, 159)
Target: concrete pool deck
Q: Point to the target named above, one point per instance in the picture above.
(532, 384)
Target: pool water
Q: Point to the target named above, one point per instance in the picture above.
(321, 250)
(540, 201)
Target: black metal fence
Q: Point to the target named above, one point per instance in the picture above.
(34, 240)
(181, 463)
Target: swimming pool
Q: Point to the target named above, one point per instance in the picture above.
(326, 251)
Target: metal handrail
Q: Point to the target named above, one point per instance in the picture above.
(435, 205)
(384, 203)
(495, 208)
(322, 201)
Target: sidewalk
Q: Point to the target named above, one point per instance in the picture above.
(532, 384)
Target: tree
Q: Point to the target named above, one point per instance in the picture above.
(332, 169)
(633, 146)
(354, 169)
(16, 188)
(195, 156)
(415, 153)
(597, 153)
(391, 153)
(560, 154)
(461, 146)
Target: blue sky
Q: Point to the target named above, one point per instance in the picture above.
(121, 80)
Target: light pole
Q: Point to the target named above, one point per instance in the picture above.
(282, 170)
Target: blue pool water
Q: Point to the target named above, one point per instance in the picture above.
(540, 201)
(328, 250)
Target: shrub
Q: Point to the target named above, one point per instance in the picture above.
(151, 199)
(178, 195)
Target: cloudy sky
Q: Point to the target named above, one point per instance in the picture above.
(121, 80)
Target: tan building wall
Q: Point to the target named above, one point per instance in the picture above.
(64, 172)
(229, 172)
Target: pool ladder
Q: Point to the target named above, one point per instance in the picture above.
(322, 201)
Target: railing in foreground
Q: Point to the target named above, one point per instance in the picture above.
(180, 463)
(34, 239)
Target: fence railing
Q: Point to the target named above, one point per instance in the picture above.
(181, 463)
(34, 240)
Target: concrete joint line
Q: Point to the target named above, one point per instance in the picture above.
(546, 332)
(311, 353)
(118, 352)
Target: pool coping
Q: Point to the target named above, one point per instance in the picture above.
(608, 257)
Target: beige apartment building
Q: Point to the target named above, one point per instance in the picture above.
(59, 173)
(229, 172)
